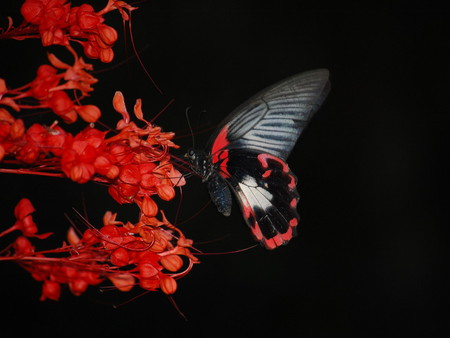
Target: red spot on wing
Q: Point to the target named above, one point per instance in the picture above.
(246, 208)
(263, 158)
(287, 235)
(292, 183)
(293, 203)
(222, 158)
(280, 238)
(220, 142)
(293, 222)
(274, 242)
(257, 231)
(270, 244)
(220, 153)
(267, 173)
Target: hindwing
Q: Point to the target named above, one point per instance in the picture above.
(267, 194)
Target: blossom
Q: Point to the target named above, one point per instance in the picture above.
(50, 290)
(134, 161)
(50, 89)
(24, 222)
(149, 171)
(11, 132)
(144, 254)
(55, 22)
(79, 154)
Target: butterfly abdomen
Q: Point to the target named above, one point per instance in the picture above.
(220, 194)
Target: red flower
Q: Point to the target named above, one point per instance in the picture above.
(25, 222)
(88, 113)
(148, 206)
(171, 262)
(165, 191)
(50, 17)
(120, 257)
(55, 140)
(22, 246)
(130, 174)
(107, 34)
(119, 252)
(86, 18)
(17, 129)
(46, 79)
(50, 86)
(168, 284)
(50, 290)
(32, 10)
(11, 132)
(104, 165)
(6, 121)
(78, 286)
(62, 105)
(80, 153)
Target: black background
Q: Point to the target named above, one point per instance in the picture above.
(370, 258)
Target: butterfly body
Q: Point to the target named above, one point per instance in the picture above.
(247, 155)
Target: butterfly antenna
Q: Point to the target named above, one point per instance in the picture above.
(190, 127)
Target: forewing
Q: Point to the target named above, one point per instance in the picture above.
(272, 120)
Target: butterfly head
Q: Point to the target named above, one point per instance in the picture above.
(200, 163)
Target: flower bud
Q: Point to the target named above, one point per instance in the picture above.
(149, 207)
(107, 34)
(91, 50)
(166, 192)
(147, 270)
(50, 290)
(17, 129)
(82, 173)
(106, 55)
(130, 174)
(87, 18)
(22, 246)
(78, 286)
(89, 113)
(149, 283)
(122, 281)
(168, 284)
(32, 11)
(47, 38)
(120, 257)
(171, 262)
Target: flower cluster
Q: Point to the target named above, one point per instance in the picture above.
(55, 22)
(151, 253)
(135, 162)
(143, 163)
(50, 88)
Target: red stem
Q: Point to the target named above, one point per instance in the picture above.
(7, 231)
(30, 172)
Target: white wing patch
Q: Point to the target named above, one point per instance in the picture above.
(254, 193)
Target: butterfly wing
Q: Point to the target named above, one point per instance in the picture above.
(272, 120)
(267, 194)
(251, 147)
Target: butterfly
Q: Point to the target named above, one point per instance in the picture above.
(247, 155)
